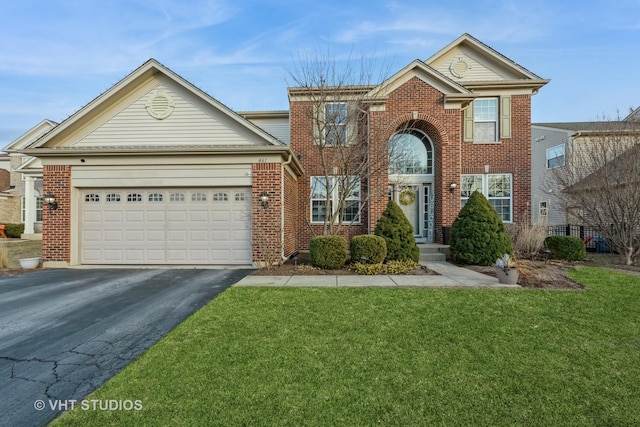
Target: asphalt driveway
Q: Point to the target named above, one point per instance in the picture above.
(63, 333)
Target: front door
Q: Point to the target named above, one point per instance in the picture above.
(416, 202)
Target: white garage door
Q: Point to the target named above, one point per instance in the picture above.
(165, 226)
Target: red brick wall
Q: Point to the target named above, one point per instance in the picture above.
(418, 105)
(421, 106)
(303, 145)
(511, 155)
(266, 221)
(56, 224)
(291, 222)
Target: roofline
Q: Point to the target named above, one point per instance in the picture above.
(169, 150)
(466, 37)
(51, 123)
(268, 114)
(148, 70)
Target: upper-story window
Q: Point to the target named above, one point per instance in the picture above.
(335, 123)
(555, 156)
(485, 120)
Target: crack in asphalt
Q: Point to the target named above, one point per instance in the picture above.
(63, 334)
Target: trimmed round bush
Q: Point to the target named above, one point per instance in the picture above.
(328, 252)
(397, 231)
(368, 249)
(568, 248)
(478, 235)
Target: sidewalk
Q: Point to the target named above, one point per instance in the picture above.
(450, 276)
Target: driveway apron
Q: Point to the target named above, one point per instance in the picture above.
(63, 333)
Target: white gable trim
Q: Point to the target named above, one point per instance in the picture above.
(31, 135)
(485, 51)
(124, 87)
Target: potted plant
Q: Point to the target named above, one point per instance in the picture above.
(507, 270)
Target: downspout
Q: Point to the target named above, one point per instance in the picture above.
(369, 171)
(282, 257)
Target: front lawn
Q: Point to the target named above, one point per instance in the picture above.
(405, 357)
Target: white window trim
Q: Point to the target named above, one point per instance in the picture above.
(334, 200)
(496, 121)
(330, 124)
(550, 149)
(543, 208)
(485, 191)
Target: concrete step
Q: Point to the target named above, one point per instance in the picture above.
(432, 252)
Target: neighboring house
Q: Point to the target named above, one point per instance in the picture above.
(23, 199)
(155, 171)
(552, 144)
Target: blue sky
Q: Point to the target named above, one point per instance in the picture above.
(58, 55)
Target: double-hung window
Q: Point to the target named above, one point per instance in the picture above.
(335, 123)
(485, 120)
(497, 188)
(555, 156)
(342, 194)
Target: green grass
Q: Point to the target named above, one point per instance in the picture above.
(393, 357)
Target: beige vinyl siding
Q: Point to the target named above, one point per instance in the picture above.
(189, 124)
(277, 127)
(480, 68)
(148, 176)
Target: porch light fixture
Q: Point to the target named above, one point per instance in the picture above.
(264, 199)
(50, 199)
(452, 186)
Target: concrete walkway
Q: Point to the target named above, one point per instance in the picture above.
(450, 276)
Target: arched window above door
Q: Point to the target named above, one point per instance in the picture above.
(410, 153)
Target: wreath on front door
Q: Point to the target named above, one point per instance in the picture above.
(407, 197)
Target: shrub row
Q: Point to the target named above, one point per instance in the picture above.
(393, 241)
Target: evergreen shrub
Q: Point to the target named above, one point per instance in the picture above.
(478, 235)
(328, 252)
(568, 248)
(397, 231)
(14, 230)
(368, 249)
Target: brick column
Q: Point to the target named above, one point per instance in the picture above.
(56, 224)
(266, 221)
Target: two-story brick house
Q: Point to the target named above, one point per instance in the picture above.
(155, 171)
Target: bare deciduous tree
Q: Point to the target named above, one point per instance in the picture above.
(599, 184)
(340, 94)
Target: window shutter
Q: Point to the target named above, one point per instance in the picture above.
(505, 117)
(468, 123)
(318, 123)
(352, 124)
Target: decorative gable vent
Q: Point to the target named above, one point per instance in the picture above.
(160, 104)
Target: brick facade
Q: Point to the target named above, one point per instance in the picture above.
(56, 229)
(424, 96)
(266, 217)
(418, 105)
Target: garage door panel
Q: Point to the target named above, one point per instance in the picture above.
(156, 216)
(113, 235)
(113, 256)
(161, 226)
(95, 217)
(134, 236)
(110, 216)
(156, 256)
(157, 236)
